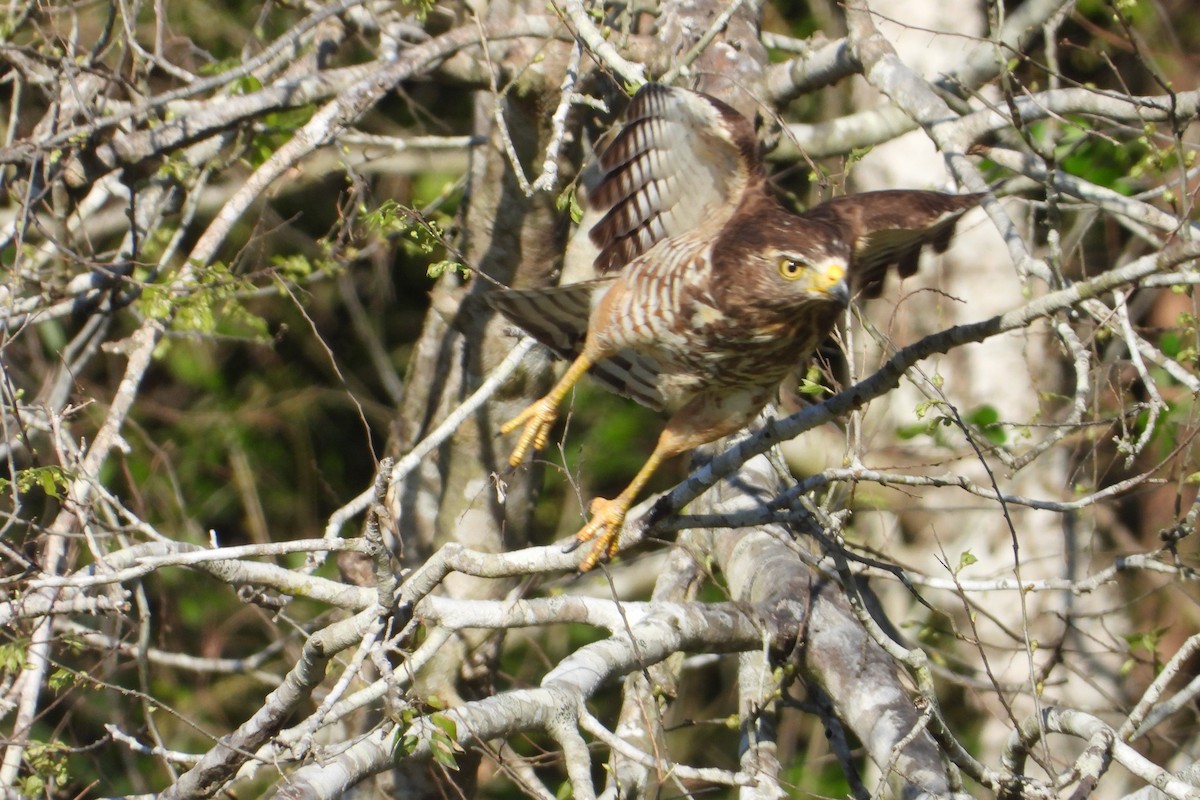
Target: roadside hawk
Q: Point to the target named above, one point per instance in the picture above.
(709, 290)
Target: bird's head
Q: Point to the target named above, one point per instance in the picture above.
(805, 276)
(780, 261)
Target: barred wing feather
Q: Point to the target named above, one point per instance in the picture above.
(682, 159)
(890, 228)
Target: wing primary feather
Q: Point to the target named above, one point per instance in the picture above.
(889, 228)
(682, 159)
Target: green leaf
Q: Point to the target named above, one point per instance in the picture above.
(449, 726)
(912, 431)
(1146, 640)
(442, 744)
(52, 479)
(983, 416)
(1170, 343)
(48, 482)
(439, 268)
(987, 419)
(60, 678)
(405, 746)
(924, 406)
(965, 559)
(564, 198)
(246, 84)
(444, 757)
(812, 388)
(858, 153)
(207, 304)
(293, 267)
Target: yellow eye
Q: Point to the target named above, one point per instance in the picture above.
(790, 269)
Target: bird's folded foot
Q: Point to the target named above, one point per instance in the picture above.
(538, 419)
(608, 516)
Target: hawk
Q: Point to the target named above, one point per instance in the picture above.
(710, 291)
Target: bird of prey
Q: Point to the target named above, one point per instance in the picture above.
(709, 290)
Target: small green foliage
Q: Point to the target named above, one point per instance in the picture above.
(1116, 165)
(811, 384)
(246, 84)
(12, 656)
(63, 677)
(46, 765)
(986, 419)
(51, 479)
(419, 235)
(202, 307)
(439, 268)
(569, 199)
(442, 742)
(388, 219)
(965, 559)
(406, 745)
(176, 168)
(296, 267)
(923, 407)
(933, 427)
(1170, 343)
(443, 738)
(420, 8)
(1147, 641)
(1128, 10)
(278, 128)
(293, 267)
(218, 66)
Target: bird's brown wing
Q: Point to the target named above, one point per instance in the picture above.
(890, 228)
(558, 318)
(682, 159)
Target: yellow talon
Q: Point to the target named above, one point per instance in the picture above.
(538, 420)
(608, 517)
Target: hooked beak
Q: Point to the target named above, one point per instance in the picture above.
(831, 280)
(840, 291)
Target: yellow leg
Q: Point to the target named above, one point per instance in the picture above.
(704, 418)
(609, 515)
(539, 417)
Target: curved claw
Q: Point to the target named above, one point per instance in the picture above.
(538, 419)
(608, 516)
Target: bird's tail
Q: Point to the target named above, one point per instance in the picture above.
(558, 317)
